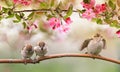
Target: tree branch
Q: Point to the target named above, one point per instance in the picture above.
(59, 56)
(41, 10)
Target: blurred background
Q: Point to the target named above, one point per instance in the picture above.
(13, 38)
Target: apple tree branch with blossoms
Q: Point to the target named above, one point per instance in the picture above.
(58, 18)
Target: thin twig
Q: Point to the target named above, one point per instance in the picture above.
(41, 10)
(59, 56)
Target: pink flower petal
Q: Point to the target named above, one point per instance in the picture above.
(68, 20)
(35, 22)
(99, 8)
(54, 23)
(15, 1)
(63, 29)
(118, 33)
(88, 5)
(28, 27)
(23, 2)
(88, 14)
(35, 26)
(32, 26)
(103, 7)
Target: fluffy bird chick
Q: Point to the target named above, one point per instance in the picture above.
(40, 49)
(27, 51)
(94, 45)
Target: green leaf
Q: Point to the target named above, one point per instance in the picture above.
(115, 23)
(108, 15)
(58, 9)
(58, 6)
(5, 9)
(16, 21)
(94, 19)
(52, 3)
(112, 5)
(18, 17)
(81, 11)
(111, 14)
(1, 17)
(86, 1)
(69, 12)
(31, 15)
(22, 15)
(108, 21)
(8, 2)
(10, 16)
(49, 16)
(53, 12)
(99, 21)
(43, 5)
(24, 25)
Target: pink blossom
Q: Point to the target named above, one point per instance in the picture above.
(54, 23)
(118, 33)
(88, 5)
(23, 2)
(34, 25)
(103, 7)
(40, 0)
(15, 1)
(63, 29)
(99, 8)
(88, 14)
(26, 3)
(68, 20)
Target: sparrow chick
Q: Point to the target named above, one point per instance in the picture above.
(40, 49)
(26, 52)
(94, 45)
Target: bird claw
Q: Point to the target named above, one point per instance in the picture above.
(92, 56)
(99, 55)
(86, 52)
(35, 61)
(25, 62)
(96, 55)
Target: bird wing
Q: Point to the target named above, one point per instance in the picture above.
(104, 43)
(85, 44)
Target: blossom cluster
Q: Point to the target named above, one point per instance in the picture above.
(91, 10)
(59, 19)
(59, 25)
(23, 2)
(32, 26)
